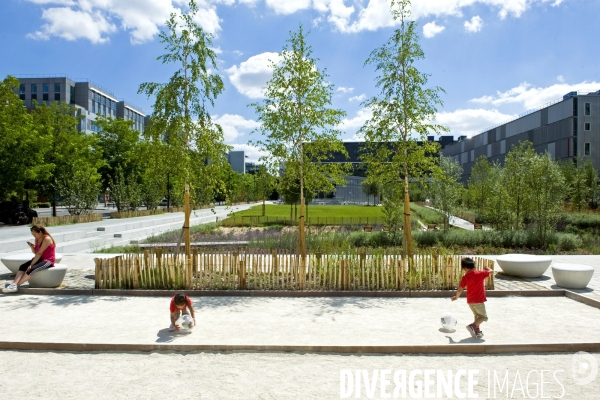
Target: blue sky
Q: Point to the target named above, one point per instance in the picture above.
(494, 58)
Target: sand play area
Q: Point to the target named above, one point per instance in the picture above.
(349, 321)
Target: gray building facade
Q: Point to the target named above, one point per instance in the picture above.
(90, 100)
(566, 128)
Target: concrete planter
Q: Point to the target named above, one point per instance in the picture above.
(524, 265)
(572, 276)
(14, 261)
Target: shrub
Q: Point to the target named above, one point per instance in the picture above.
(568, 241)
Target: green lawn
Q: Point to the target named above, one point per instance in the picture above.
(314, 211)
(317, 215)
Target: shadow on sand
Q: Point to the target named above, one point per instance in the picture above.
(166, 336)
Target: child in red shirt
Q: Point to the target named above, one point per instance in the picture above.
(180, 304)
(473, 282)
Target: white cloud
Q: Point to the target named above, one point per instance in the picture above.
(532, 97)
(470, 122)
(71, 25)
(235, 126)
(93, 19)
(345, 89)
(431, 29)
(358, 98)
(357, 122)
(474, 25)
(483, 100)
(251, 76)
(252, 152)
(288, 6)
(560, 78)
(370, 15)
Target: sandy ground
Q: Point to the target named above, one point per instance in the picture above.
(293, 321)
(37, 375)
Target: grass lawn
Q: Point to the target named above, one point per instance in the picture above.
(314, 211)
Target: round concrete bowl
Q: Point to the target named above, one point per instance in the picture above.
(572, 276)
(48, 278)
(14, 261)
(524, 265)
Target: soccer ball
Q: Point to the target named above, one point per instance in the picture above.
(448, 321)
(186, 321)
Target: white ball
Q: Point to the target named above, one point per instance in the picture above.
(187, 322)
(448, 321)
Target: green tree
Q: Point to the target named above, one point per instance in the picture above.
(180, 115)
(63, 146)
(591, 182)
(547, 190)
(370, 188)
(79, 189)
(21, 156)
(298, 124)
(401, 113)
(118, 143)
(392, 208)
(265, 184)
(575, 182)
(446, 190)
(516, 169)
(496, 211)
(480, 183)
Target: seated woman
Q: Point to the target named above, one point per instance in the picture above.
(45, 253)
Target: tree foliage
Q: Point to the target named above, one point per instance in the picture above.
(446, 189)
(298, 124)
(396, 133)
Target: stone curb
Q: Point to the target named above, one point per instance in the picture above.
(285, 293)
(530, 348)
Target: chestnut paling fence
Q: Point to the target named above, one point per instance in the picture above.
(256, 270)
(314, 221)
(66, 219)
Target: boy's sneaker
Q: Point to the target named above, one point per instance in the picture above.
(10, 289)
(171, 328)
(471, 330)
(479, 334)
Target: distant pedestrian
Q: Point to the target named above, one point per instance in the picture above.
(473, 282)
(44, 250)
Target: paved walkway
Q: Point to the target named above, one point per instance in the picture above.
(95, 235)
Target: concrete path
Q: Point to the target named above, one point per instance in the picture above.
(109, 232)
(460, 223)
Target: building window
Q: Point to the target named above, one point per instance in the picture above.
(588, 109)
(34, 88)
(586, 149)
(587, 126)
(44, 88)
(72, 93)
(83, 124)
(56, 96)
(22, 91)
(45, 97)
(57, 88)
(33, 97)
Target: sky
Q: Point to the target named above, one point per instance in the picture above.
(495, 59)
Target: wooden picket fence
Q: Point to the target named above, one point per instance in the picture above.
(66, 219)
(259, 270)
(314, 221)
(135, 213)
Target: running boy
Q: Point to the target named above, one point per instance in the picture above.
(180, 304)
(473, 282)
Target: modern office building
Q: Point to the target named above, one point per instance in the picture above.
(351, 192)
(237, 160)
(90, 100)
(566, 128)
